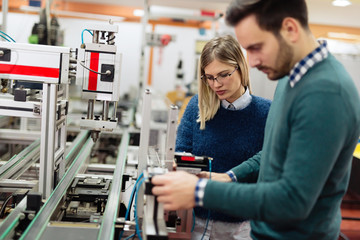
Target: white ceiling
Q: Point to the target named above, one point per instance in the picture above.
(320, 11)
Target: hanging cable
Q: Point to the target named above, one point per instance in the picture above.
(7, 36)
(82, 34)
(130, 201)
(107, 72)
(3, 207)
(193, 225)
(135, 209)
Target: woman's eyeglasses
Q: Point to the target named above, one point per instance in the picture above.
(211, 79)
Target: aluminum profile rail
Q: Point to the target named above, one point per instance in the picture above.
(107, 225)
(75, 146)
(17, 161)
(38, 225)
(11, 222)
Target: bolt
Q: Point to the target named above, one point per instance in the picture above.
(31, 216)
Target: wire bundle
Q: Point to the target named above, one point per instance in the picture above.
(133, 195)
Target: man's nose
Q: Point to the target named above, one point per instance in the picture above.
(254, 61)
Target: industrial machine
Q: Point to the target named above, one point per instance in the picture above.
(98, 72)
(63, 184)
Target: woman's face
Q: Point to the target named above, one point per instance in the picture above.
(226, 87)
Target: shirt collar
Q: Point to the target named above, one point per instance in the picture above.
(242, 102)
(301, 67)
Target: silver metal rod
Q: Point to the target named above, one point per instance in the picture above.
(47, 151)
(37, 226)
(105, 113)
(5, 9)
(107, 228)
(90, 112)
(113, 117)
(145, 131)
(95, 38)
(171, 136)
(144, 22)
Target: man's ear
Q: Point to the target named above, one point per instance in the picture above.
(290, 29)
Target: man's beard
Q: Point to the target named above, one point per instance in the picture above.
(283, 62)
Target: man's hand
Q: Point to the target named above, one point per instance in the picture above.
(220, 177)
(176, 190)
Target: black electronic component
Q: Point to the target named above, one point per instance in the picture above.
(107, 77)
(20, 94)
(33, 201)
(5, 54)
(86, 199)
(187, 160)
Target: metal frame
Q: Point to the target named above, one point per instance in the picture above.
(51, 109)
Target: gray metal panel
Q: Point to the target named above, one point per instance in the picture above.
(74, 233)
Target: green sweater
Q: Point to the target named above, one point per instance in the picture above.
(310, 136)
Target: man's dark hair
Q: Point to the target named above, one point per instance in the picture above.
(269, 13)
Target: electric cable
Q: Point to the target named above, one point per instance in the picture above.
(132, 197)
(135, 209)
(82, 34)
(131, 236)
(130, 201)
(2, 210)
(7, 36)
(108, 72)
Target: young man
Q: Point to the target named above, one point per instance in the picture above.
(310, 134)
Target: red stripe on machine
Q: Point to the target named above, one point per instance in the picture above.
(29, 70)
(94, 65)
(186, 158)
(207, 13)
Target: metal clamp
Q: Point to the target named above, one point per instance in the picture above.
(37, 109)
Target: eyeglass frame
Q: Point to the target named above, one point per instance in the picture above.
(216, 78)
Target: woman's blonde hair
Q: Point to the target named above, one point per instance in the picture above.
(226, 50)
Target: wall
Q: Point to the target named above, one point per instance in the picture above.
(163, 75)
(129, 41)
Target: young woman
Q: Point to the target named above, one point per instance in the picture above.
(225, 122)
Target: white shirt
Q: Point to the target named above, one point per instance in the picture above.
(242, 102)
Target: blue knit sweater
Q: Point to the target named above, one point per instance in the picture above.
(230, 138)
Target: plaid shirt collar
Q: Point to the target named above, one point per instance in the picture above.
(301, 68)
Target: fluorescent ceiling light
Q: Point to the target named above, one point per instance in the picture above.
(138, 12)
(344, 36)
(341, 3)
